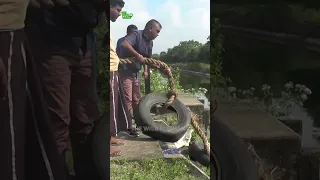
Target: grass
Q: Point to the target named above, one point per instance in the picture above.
(151, 169)
(155, 168)
(206, 170)
(173, 120)
(196, 137)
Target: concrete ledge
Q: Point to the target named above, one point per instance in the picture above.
(272, 139)
(249, 122)
(193, 103)
(139, 148)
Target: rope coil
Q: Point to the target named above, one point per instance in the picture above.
(162, 67)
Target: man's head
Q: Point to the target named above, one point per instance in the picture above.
(131, 28)
(115, 9)
(152, 29)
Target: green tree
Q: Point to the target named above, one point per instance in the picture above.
(187, 52)
(163, 53)
(216, 77)
(155, 56)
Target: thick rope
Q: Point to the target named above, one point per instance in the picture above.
(194, 122)
(162, 67)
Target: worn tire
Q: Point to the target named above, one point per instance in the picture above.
(159, 131)
(101, 146)
(231, 153)
(197, 153)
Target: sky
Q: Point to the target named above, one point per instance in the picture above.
(181, 20)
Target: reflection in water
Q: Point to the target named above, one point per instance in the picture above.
(189, 81)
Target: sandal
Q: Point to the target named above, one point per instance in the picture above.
(114, 153)
(116, 142)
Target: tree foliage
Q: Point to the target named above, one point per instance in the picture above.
(186, 52)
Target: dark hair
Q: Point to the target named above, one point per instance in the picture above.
(131, 27)
(119, 3)
(152, 22)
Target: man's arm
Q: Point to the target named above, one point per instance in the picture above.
(118, 46)
(128, 44)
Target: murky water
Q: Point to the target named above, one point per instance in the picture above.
(189, 81)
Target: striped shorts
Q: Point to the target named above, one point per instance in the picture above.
(120, 118)
(28, 149)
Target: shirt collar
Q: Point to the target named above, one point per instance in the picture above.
(145, 36)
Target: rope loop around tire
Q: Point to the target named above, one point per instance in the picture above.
(172, 94)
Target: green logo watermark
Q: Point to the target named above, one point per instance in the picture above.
(126, 15)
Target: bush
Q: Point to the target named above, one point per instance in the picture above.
(159, 82)
(293, 95)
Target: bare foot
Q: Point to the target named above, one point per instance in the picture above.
(114, 153)
(116, 142)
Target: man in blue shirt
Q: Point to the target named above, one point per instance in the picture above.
(130, 29)
(121, 53)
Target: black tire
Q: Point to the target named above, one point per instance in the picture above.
(101, 146)
(197, 153)
(230, 153)
(159, 131)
